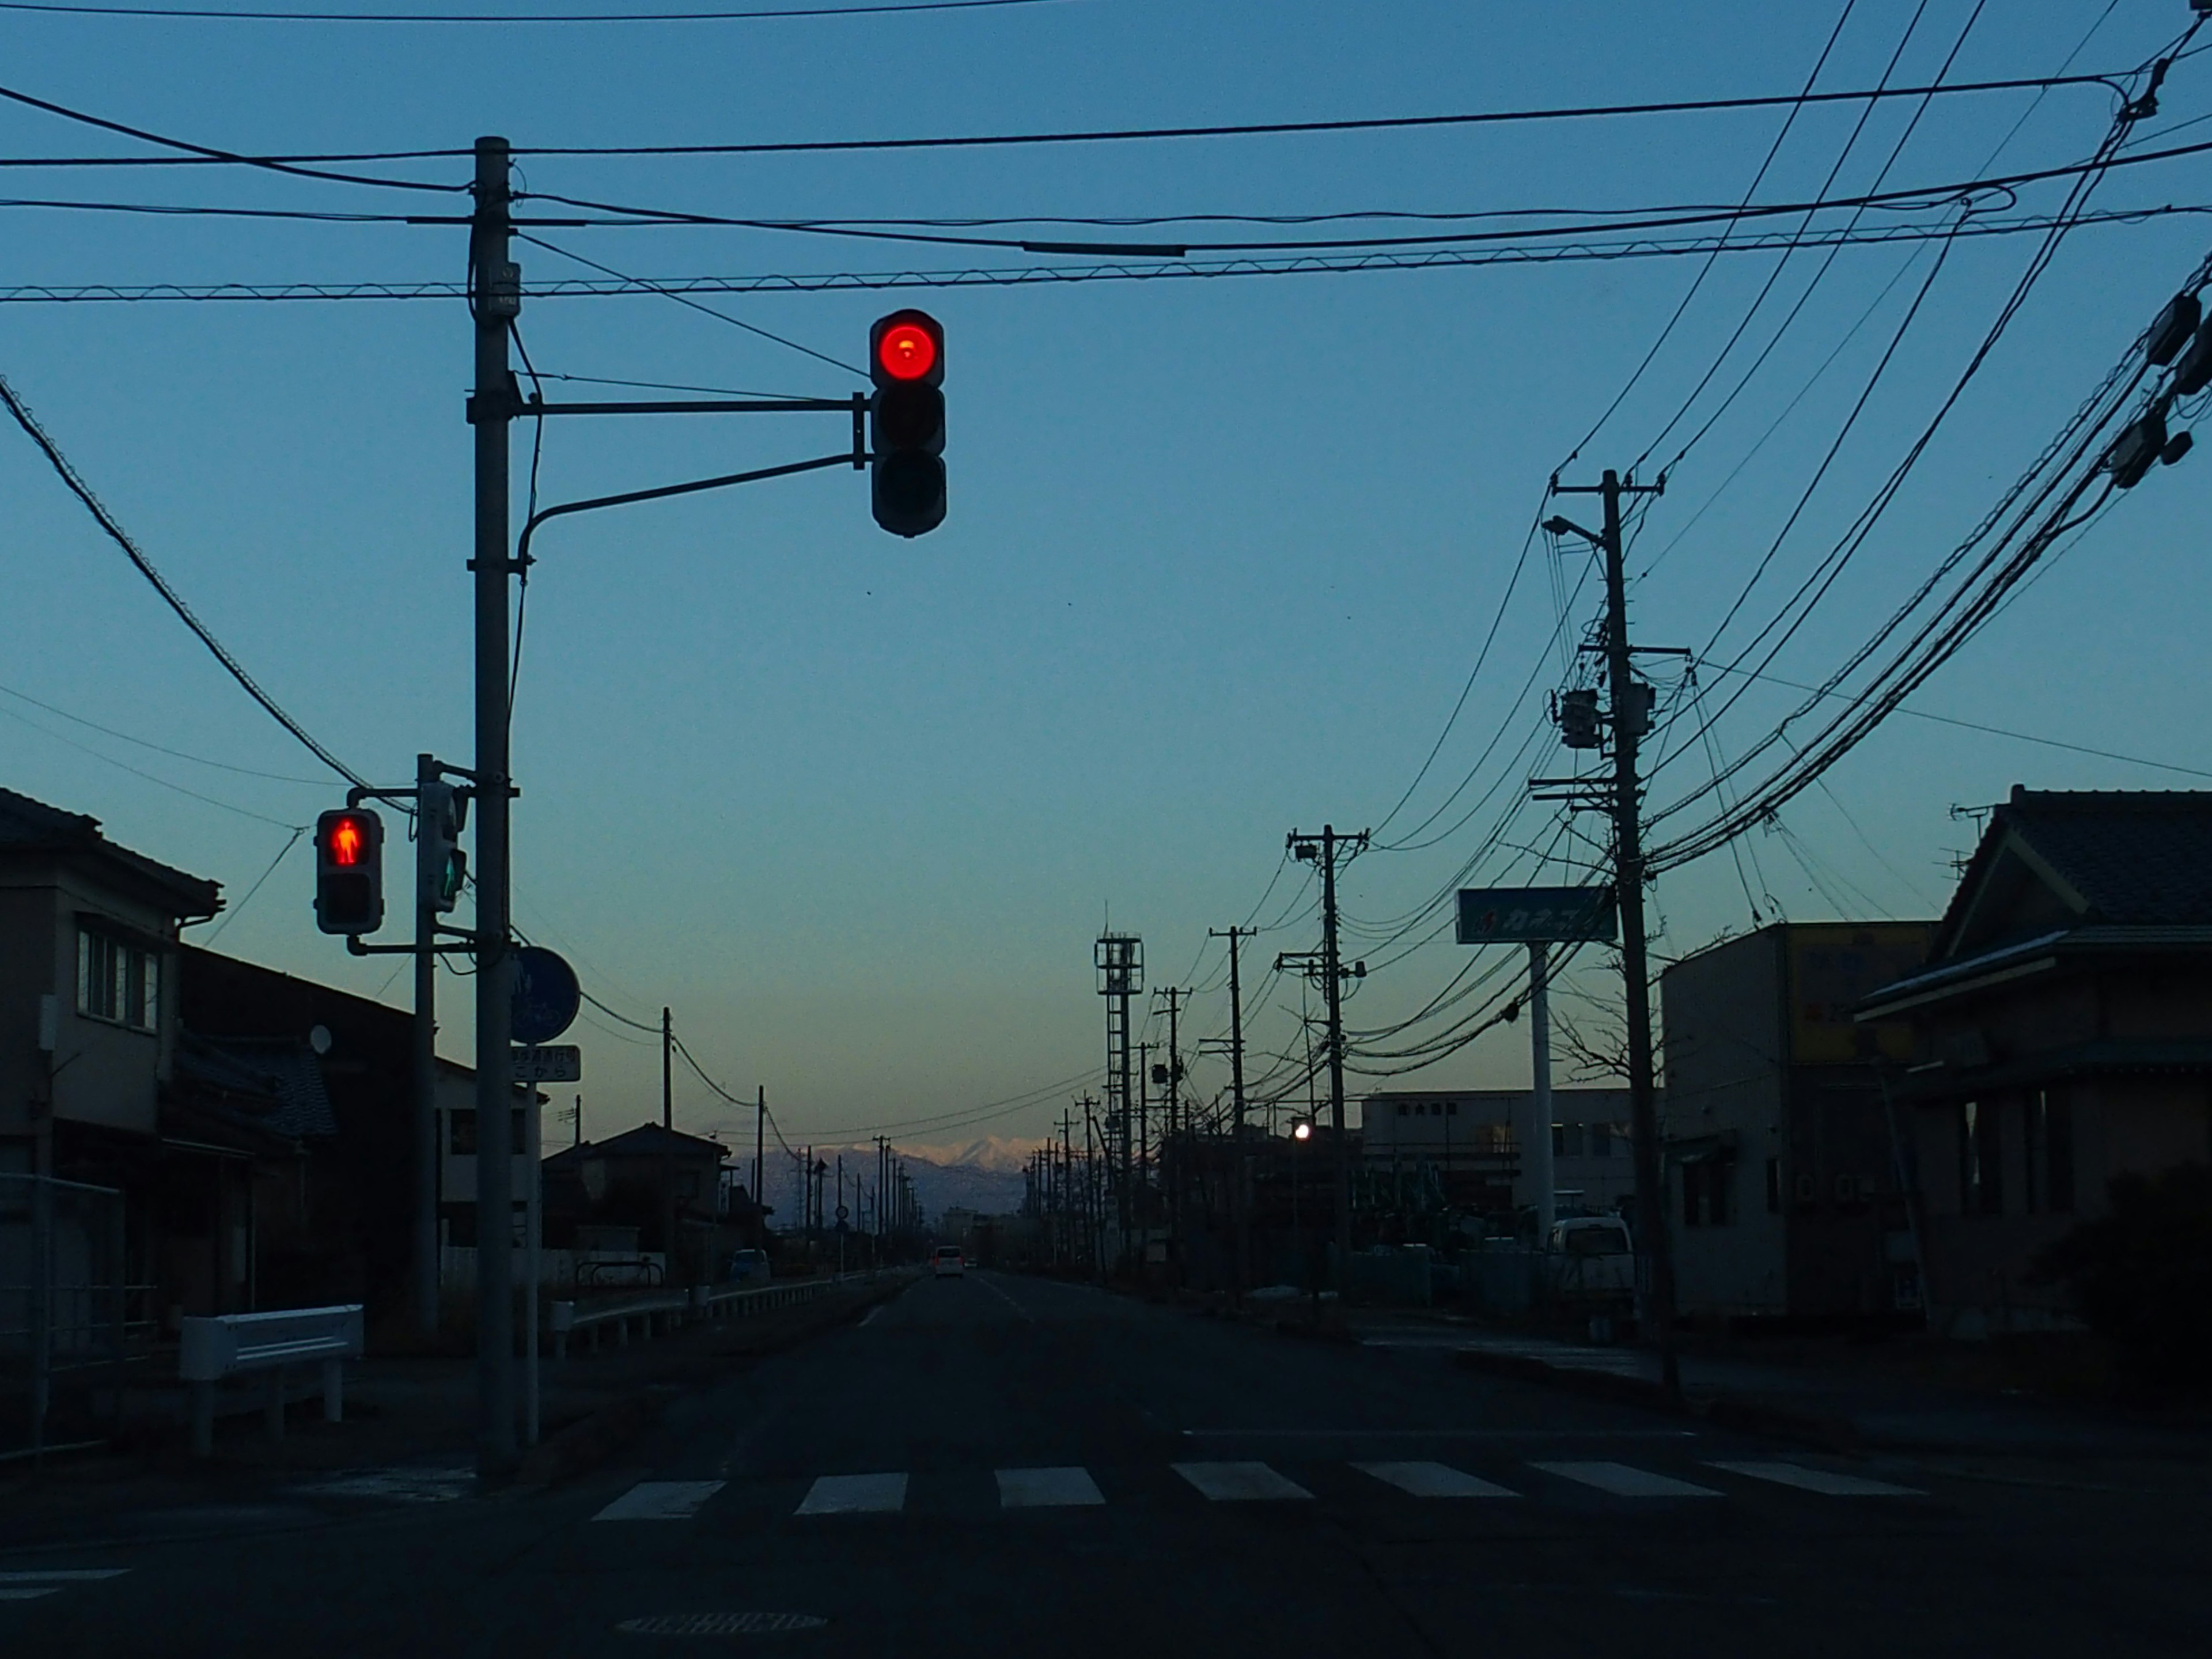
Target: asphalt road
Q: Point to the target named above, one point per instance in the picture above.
(999, 1466)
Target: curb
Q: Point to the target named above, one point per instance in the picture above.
(1742, 1413)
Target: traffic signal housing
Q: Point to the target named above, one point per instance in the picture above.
(349, 871)
(906, 474)
(441, 868)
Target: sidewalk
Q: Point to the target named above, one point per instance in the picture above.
(409, 1435)
(1871, 1400)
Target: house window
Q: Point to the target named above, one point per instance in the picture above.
(118, 981)
(1706, 1198)
(1981, 1184)
(1452, 1108)
(1566, 1140)
(1601, 1141)
(461, 1135)
(2047, 1142)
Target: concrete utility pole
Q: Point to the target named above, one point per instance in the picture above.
(667, 1074)
(495, 300)
(1629, 708)
(1237, 1205)
(1324, 849)
(425, 1035)
(760, 1152)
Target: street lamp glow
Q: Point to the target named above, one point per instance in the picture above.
(1302, 1130)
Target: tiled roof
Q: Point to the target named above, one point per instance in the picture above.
(28, 825)
(276, 1087)
(2142, 858)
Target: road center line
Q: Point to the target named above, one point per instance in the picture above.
(1027, 1317)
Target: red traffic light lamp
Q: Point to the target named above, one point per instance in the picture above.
(349, 871)
(906, 361)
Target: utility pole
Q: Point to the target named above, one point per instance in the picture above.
(1630, 706)
(1172, 1170)
(667, 1076)
(495, 300)
(760, 1152)
(1237, 1205)
(425, 1034)
(1324, 849)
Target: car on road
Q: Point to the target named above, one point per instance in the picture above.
(948, 1262)
(1592, 1259)
(749, 1266)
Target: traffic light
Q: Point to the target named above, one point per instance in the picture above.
(906, 361)
(440, 865)
(349, 871)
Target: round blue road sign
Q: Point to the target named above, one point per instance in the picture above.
(546, 995)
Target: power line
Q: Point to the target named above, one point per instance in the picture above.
(1032, 275)
(1369, 124)
(116, 533)
(187, 14)
(159, 749)
(209, 154)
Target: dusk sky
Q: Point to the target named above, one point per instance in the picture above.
(1220, 555)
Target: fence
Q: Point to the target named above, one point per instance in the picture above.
(69, 1317)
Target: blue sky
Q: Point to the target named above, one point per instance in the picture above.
(1220, 552)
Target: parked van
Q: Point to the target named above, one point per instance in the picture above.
(1592, 1258)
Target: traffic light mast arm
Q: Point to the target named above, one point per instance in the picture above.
(532, 406)
(856, 457)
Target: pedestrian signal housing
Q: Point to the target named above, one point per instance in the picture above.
(349, 871)
(906, 361)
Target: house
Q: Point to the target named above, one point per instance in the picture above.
(90, 1036)
(1785, 1196)
(2062, 1035)
(664, 1186)
(1471, 1138)
(333, 1215)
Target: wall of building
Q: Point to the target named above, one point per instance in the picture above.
(1724, 1047)
(1470, 1128)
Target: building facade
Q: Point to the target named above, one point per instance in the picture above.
(2060, 1035)
(1472, 1139)
(1785, 1198)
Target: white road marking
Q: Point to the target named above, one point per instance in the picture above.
(875, 1313)
(1239, 1482)
(1434, 1480)
(1622, 1481)
(62, 1575)
(661, 1500)
(27, 1594)
(856, 1494)
(1438, 1434)
(1819, 1480)
(1031, 1489)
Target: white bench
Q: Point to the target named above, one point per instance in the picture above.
(228, 1344)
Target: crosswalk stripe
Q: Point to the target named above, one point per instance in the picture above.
(1025, 1489)
(661, 1500)
(1623, 1482)
(1433, 1481)
(1827, 1484)
(856, 1494)
(1239, 1482)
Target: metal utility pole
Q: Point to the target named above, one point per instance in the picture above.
(1237, 1219)
(1119, 958)
(1171, 1173)
(1629, 705)
(425, 1035)
(1324, 848)
(495, 300)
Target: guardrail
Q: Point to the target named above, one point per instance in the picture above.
(227, 1344)
(676, 1308)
